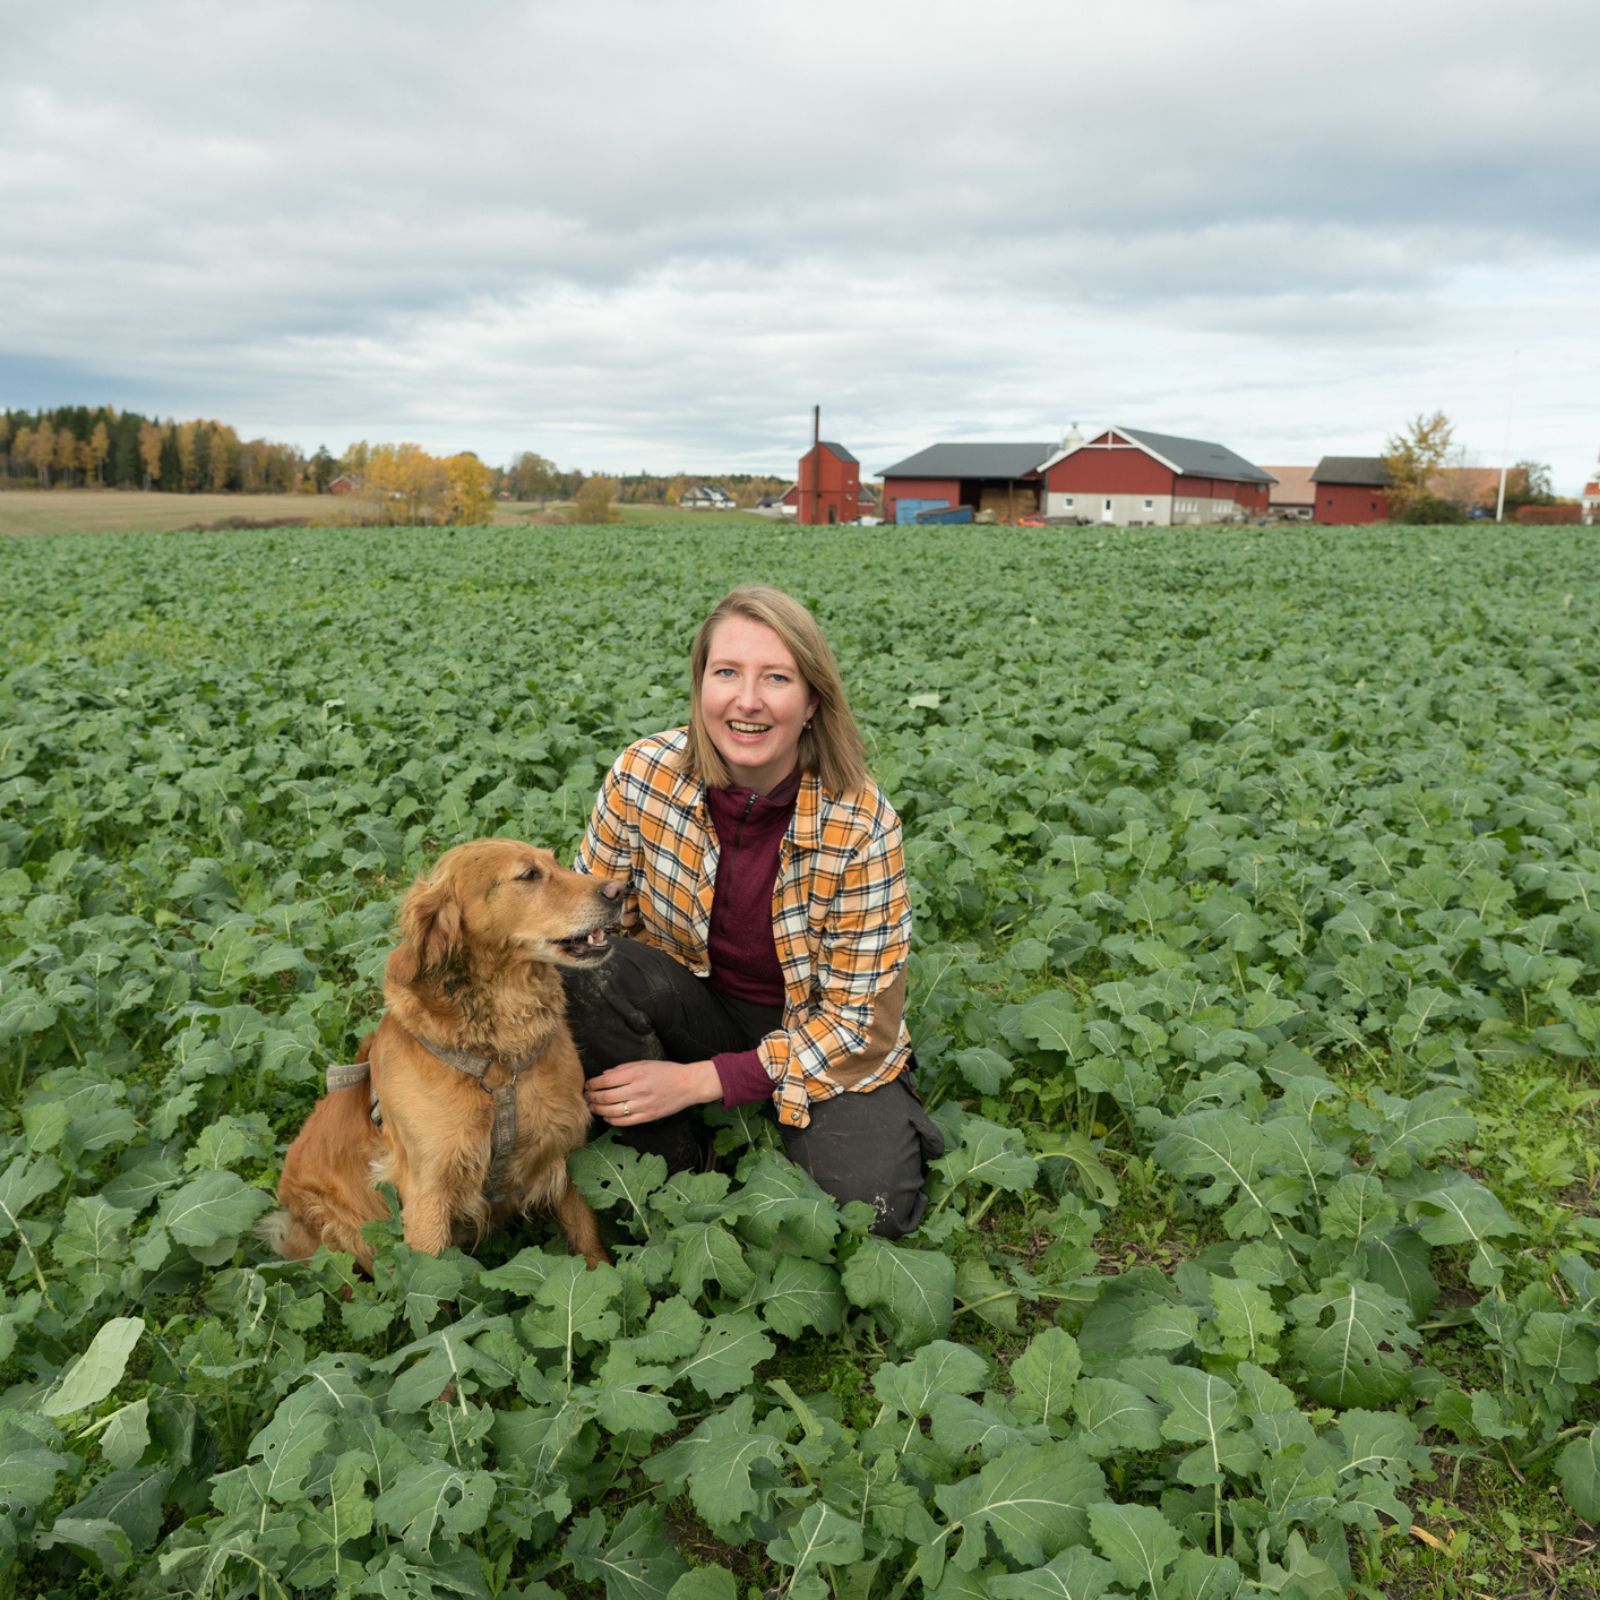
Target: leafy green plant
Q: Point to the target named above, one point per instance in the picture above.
(1255, 992)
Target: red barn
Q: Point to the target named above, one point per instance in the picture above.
(1352, 489)
(1130, 476)
(829, 484)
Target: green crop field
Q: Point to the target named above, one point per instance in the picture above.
(1257, 883)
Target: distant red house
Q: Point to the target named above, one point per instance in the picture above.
(829, 486)
(345, 483)
(1351, 489)
(1129, 476)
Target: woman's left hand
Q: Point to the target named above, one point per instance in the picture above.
(646, 1091)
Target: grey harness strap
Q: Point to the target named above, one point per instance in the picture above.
(350, 1075)
(503, 1136)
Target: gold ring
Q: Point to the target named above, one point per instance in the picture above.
(627, 1108)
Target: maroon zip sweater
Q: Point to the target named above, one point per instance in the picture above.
(740, 947)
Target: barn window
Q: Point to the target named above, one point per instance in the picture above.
(1149, 505)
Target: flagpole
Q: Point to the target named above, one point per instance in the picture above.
(1505, 444)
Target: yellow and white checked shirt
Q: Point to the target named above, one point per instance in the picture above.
(841, 917)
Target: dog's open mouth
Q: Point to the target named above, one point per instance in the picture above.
(588, 946)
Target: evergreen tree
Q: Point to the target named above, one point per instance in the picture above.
(170, 480)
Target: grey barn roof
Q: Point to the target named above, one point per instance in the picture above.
(838, 449)
(971, 461)
(1371, 472)
(1198, 458)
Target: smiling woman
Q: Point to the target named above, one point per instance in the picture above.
(766, 899)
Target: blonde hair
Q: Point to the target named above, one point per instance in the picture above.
(830, 743)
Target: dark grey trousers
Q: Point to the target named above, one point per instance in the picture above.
(641, 1005)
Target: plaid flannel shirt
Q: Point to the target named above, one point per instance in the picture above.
(841, 917)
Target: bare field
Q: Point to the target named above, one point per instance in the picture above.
(25, 511)
(36, 511)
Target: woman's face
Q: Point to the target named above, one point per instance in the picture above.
(753, 702)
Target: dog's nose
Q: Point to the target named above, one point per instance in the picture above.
(611, 889)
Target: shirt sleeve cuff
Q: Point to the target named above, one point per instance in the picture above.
(743, 1078)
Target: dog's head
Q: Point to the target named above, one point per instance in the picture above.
(497, 900)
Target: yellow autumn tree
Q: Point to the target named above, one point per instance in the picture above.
(150, 452)
(66, 453)
(403, 483)
(42, 451)
(224, 459)
(99, 448)
(593, 503)
(469, 490)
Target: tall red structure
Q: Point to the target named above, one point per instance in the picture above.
(829, 480)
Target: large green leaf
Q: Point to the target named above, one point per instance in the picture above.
(1113, 1416)
(730, 1349)
(1138, 1542)
(715, 1462)
(913, 1290)
(1046, 1374)
(212, 1209)
(939, 1368)
(98, 1370)
(1578, 1467)
(820, 1534)
(1031, 1498)
(435, 1498)
(801, 1296)
(1350, 1339)
(635, 1560)
(1075, 1574)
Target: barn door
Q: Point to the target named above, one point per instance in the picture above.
(1106, 513)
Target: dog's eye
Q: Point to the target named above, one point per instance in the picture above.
(529, 875)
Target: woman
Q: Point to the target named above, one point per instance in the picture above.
(769, 920)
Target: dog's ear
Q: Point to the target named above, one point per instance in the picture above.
(430, 928)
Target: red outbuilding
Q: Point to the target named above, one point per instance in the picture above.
(829, 484)
(1132, 477)
(1002, 478)
(1351, 489)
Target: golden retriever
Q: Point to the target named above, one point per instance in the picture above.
(475, 979)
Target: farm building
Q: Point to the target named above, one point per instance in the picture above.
(345, 483)
(1352, 489)
(828, 486)
(1122, 475)
(1294, 495)
(1131, 476)
(1002, 478)
(789, 502)
(707, 497)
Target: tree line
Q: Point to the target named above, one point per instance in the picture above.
(102, 447)
(533, 477)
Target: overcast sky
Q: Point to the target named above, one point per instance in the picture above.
(654, 235)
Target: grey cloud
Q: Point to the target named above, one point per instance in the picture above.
(628, 234)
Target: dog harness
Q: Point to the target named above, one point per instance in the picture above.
(503, 1135)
